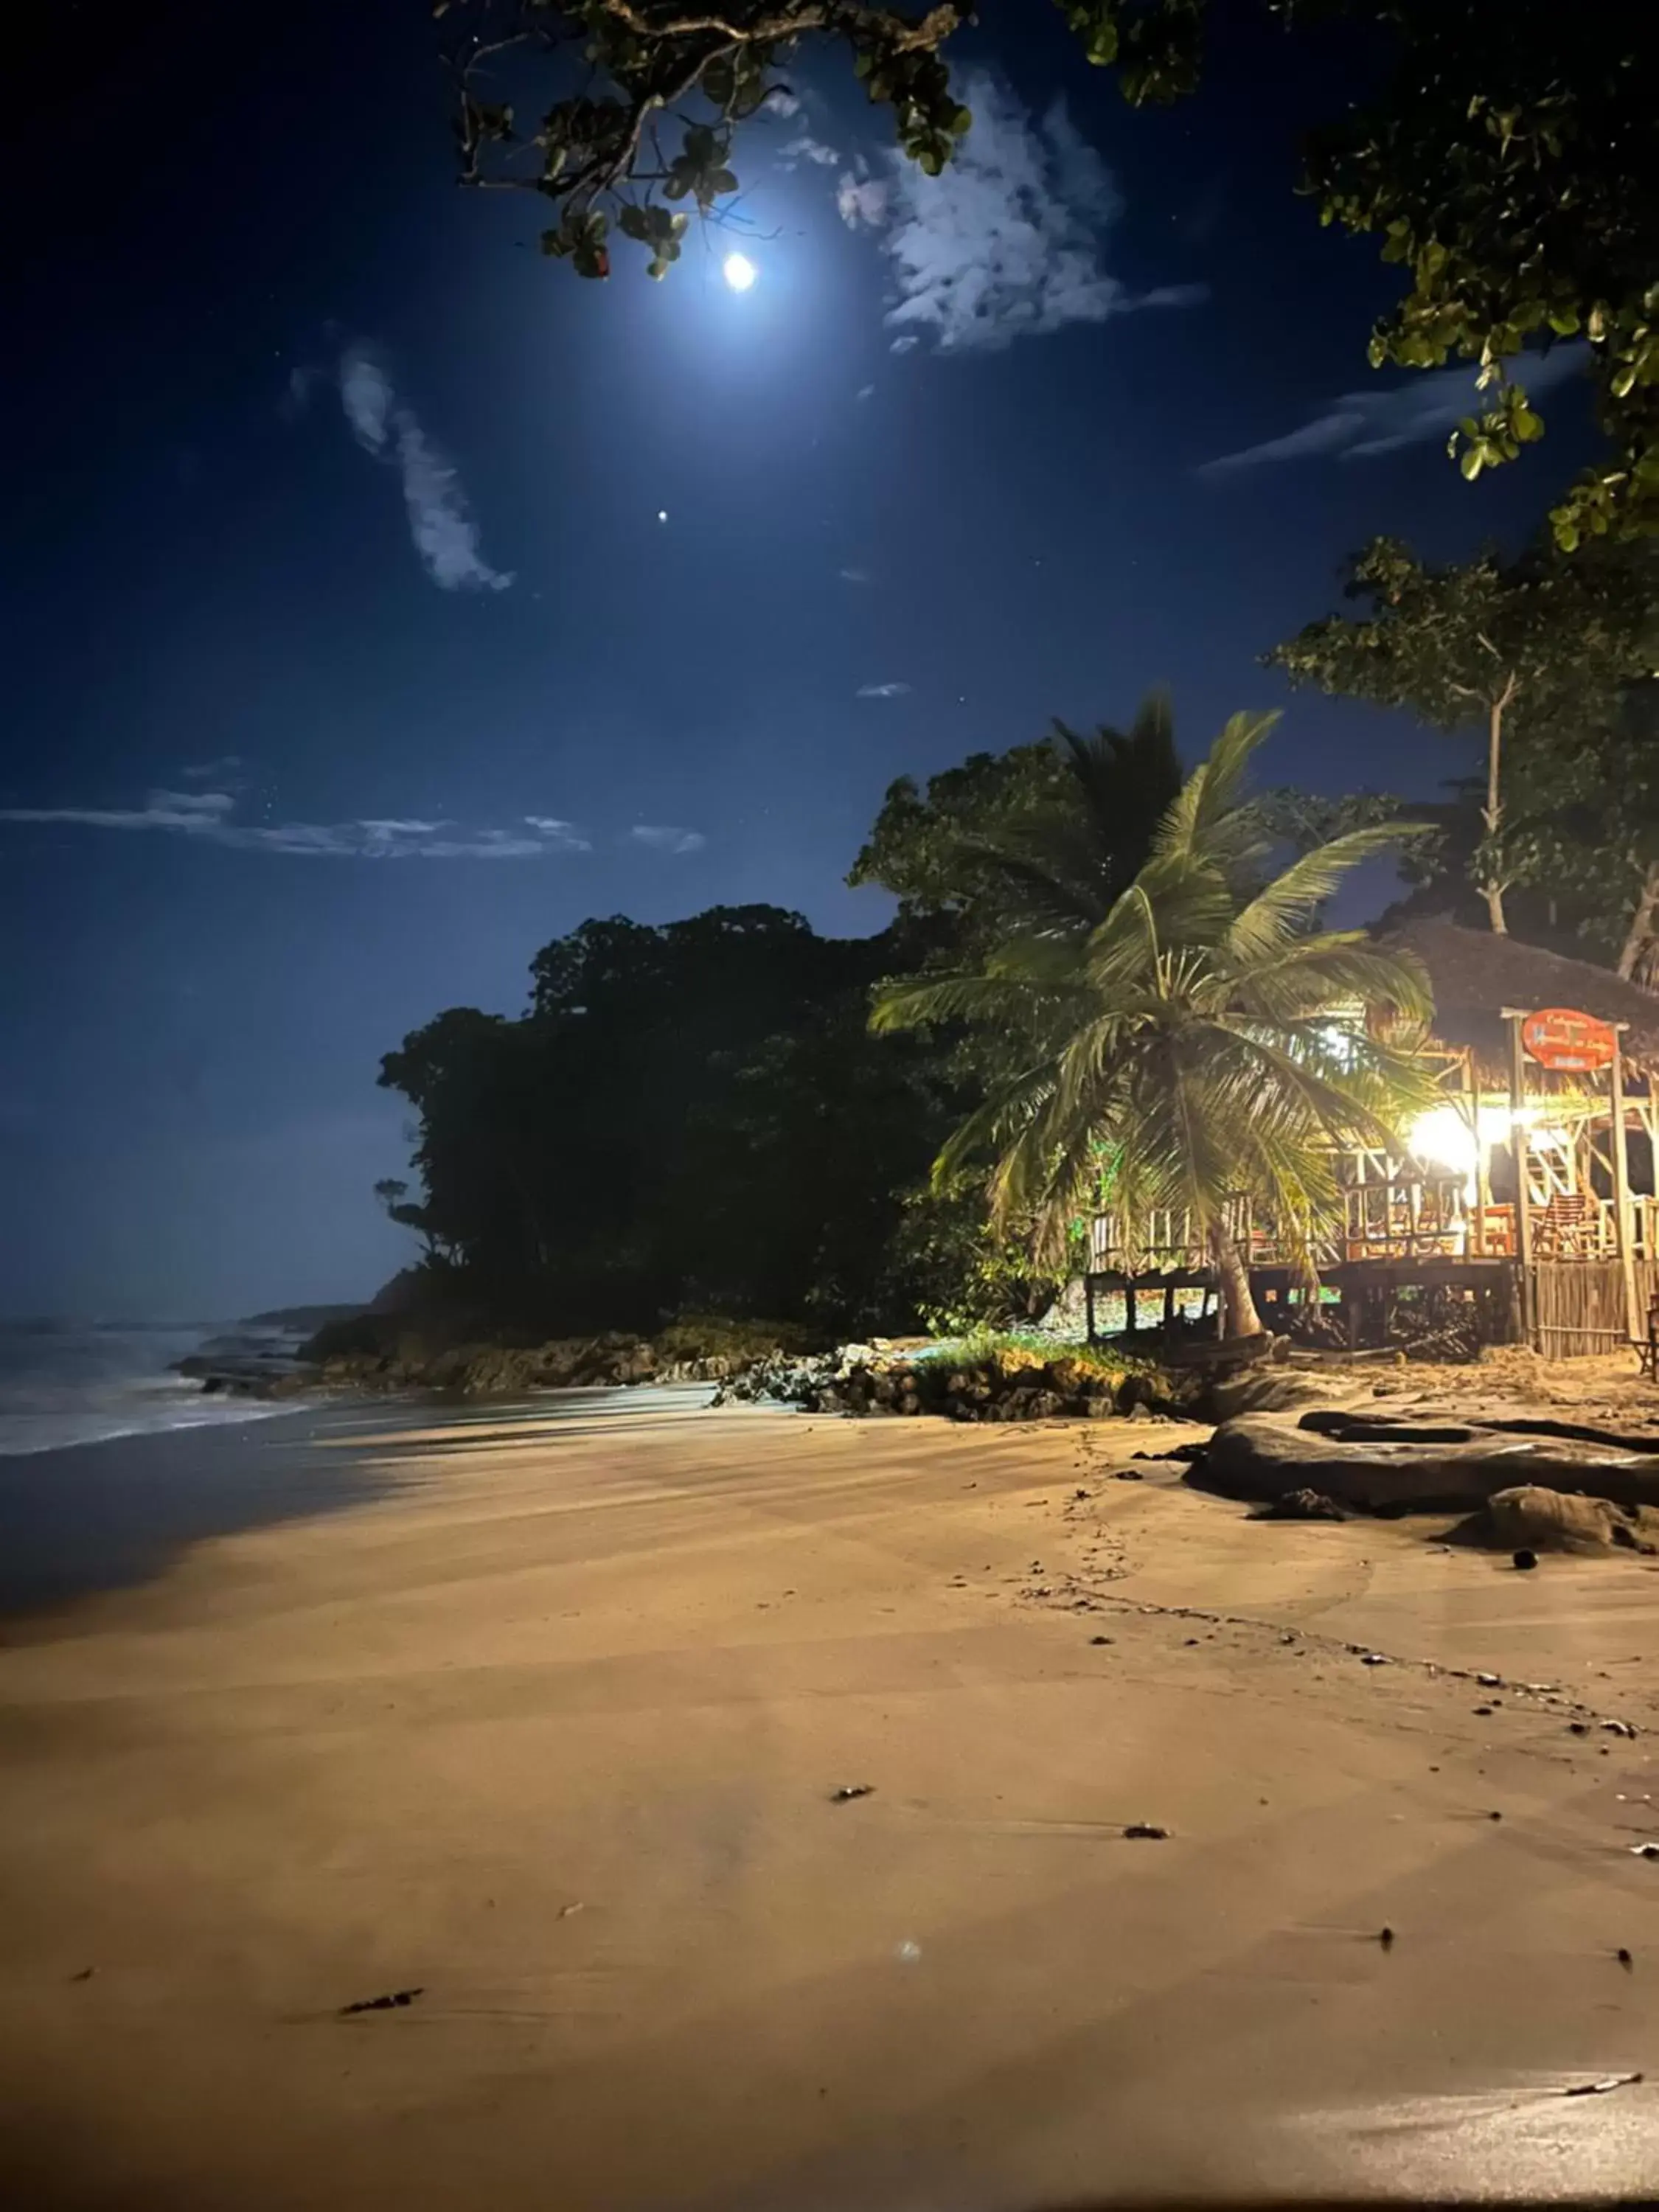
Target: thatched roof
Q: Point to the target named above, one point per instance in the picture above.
(1475, 975)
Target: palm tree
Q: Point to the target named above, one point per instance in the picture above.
(1201, 1034)
(1054, 867)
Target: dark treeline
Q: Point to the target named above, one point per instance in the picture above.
(693, 1116)
(698, 1116)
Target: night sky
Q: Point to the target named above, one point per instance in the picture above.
(350, 660)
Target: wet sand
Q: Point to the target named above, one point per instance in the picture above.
(544, 1718)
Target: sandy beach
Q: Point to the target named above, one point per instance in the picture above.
(545, 1720)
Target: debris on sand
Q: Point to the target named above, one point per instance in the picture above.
(1374, 1659)
(1385, 1937)
(1300, 1505)
(390, 2002)
(1524, 1559)
(848, 1791)
(1146, 1831)
(1619, 1728)
(1623, 1957)
(1645, 1850)
(1600, 2089)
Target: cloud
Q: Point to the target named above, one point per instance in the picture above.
(1007, 241)
(206, 818)
(213, 771)
(861, 202)
(881, 690)
(663, 837)
(195, 805)
(1359, 425)
(866, 392)
(807, 149)
(854, 575)
(904, 345)
(441, 521)
(782, 102)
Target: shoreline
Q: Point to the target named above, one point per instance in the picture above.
(115, 1512)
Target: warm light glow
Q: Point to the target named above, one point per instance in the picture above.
(740, 271)
(1442, 1137)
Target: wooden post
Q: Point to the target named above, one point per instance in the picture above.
(1635, 1325)
(1482, 1180)
(1089, 1307)
(1522, 1195)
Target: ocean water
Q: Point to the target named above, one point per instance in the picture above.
(68, 1381)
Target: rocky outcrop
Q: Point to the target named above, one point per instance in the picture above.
(1442, 1468)
(455, 1352)
(485, 1369)
(247, 1375)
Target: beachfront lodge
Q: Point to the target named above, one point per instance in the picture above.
(1521, 1207)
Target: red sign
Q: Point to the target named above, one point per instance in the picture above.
(1571, 1043)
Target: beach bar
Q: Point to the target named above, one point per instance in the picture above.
(1521, 1204)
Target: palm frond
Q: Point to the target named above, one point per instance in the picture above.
(926, 1002)
(1330, 973)
(1199, 817)
(1001, 1118)
(1284, 906)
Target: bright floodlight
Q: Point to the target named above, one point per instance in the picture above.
(740, 271)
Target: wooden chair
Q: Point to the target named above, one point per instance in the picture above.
(1498, 1231)
(1564, 1229)
(1647, 1351)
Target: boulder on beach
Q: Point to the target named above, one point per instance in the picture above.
(1533, 1519)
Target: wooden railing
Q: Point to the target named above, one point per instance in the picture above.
(1408, 1217)
(1167, 1242)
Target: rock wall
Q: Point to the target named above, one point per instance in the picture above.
(870, 1379)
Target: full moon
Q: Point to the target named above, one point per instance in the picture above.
(740, 271)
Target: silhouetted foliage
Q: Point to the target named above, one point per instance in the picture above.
(1551, 658)
(692, 1115)
(1504, 160)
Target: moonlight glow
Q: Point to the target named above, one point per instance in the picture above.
(740, 271)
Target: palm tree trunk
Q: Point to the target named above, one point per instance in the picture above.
(1240, 1317)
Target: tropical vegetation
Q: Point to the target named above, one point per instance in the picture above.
(1190, 1040)
(1104, 974)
